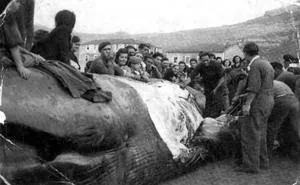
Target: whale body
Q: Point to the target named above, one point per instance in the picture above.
(142, 136)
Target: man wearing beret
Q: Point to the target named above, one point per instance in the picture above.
(105, 64)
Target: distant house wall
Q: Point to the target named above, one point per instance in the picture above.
(159, 50)
(178, 57)
(219, 54)
(86, 55)
(89, 48)
(186, 57)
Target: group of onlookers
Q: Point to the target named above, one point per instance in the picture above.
(129, 62)
(138, 63)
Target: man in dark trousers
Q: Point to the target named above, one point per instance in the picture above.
(215, 89)
(285, 114)
(256, 110)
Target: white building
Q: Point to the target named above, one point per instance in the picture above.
(176, 57)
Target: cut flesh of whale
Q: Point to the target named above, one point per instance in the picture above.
(174, 117)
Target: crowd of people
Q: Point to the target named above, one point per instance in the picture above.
(223, 82)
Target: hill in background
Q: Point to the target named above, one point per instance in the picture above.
(274, 32)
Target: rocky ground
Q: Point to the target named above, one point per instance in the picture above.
(283, 172)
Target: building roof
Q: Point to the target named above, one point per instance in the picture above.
(117, 41)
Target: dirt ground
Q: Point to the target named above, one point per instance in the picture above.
(283, 172)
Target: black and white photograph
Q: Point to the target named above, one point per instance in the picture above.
(160, 92)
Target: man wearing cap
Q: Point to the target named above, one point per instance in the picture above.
(105, 64)
(136, 72)
(256, 110)
(75, 41)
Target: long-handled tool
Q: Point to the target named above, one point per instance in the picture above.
(237, 105)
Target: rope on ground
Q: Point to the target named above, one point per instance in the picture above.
(4, 180)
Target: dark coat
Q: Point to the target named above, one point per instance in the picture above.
(102, 66)
(56, 46)
(211, 74)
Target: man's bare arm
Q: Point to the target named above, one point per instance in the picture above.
(16, 55)
(220, 82)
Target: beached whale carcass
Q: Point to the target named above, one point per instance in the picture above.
(140, 137)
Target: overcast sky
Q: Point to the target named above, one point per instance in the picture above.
(140, 16)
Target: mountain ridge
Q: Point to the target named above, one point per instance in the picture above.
(274, 26)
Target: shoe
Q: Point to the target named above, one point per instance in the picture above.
(244, 169)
